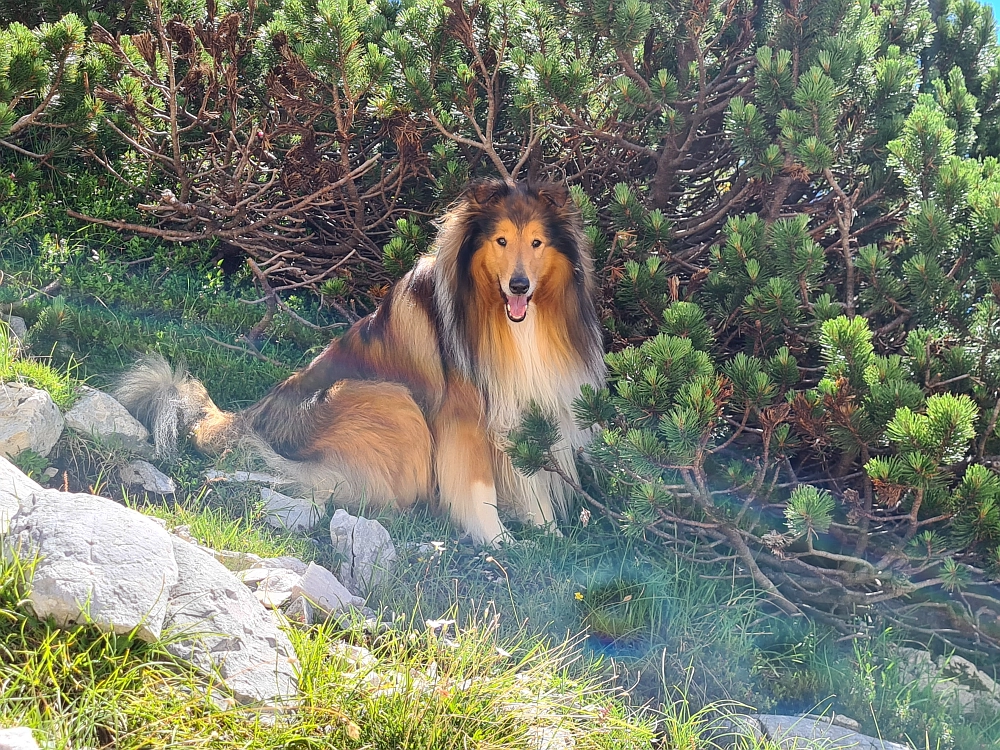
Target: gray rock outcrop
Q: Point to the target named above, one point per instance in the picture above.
(216, 623)
(99, 562)
(102, 563)
(147, 476)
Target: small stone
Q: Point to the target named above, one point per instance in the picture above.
(291, 513)
(367, 548)
(214, 475)
(50, 473)
(17, 326)
(97, 414)
(272, 599)
(324, 591)
(14, 487)
(18, 738)
(99, 562)
(29, 419)
(274, 587)
(253, 576)
(148, 477)
(184, 532)
(285, 561)
(237, 561)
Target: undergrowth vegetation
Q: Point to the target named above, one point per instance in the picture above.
(794, 209)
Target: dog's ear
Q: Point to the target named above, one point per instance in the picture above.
(553, 193)
(484, 192)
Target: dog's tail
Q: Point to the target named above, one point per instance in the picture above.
(170, 403)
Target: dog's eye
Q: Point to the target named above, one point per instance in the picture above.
(501, 242)
(536, 243)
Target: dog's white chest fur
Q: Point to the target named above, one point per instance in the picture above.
(534, 373)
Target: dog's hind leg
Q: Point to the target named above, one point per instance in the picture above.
(464, 466)
(368, 442)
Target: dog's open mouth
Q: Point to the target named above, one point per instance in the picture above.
(516, 306)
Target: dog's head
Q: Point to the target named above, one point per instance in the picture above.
(510, 253)
(521, 244)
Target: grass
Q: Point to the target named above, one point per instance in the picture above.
(217, 528)
(59, 382)
(434, 688)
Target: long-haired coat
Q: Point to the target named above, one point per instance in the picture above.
(415, 401)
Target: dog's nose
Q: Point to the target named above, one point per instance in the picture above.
(519, 284)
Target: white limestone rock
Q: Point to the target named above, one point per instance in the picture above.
(18, 738)
(272, 586)
(98, 415)
(367, 548)
(29, 419)
(99, 562)
(147, 476)
(322, 589)
(807, 732)
(285, 561)
(216, 623)
(292, 513)
(14, 487)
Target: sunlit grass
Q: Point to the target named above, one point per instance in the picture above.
(433, 688)
(59, 383)
(214, 527)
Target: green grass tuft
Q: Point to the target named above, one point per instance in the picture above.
(216, 528)
(60, 383)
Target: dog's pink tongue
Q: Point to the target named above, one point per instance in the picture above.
(517, 306)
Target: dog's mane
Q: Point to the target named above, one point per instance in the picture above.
(460, 235)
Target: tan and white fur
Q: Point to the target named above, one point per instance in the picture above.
(415, 401)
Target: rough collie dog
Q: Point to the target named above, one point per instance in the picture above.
(414, 401)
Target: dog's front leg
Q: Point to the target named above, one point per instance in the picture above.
(463, 463)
